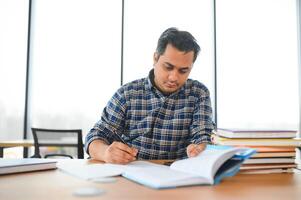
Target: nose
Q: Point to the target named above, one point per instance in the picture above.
(173, 76)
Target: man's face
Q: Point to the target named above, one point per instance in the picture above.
(172, 69)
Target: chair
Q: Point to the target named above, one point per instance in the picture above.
(57, 138)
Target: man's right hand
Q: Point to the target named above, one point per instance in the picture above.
(120, 153)
(117, 152)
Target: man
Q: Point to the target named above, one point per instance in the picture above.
(163, 116)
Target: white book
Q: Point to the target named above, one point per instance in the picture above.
(269, 160)
(252, 133)
(9, 166)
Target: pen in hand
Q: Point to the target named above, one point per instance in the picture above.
(121, 139)
(126, 143)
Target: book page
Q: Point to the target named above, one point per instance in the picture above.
(160, 176)
(206, 163)
(92, 171)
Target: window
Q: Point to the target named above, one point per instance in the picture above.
(146, 20)
(75, 61)
(257, 64)
(76, 58)
(13, 47)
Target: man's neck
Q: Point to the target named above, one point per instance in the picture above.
(152, 79)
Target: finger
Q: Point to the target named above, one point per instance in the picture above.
(126, 148)
(123, 155)
(190, 151)
(119, 157)
(202, 147)
(113, 154)
(194, 152)
(135, 150)
(120, 160)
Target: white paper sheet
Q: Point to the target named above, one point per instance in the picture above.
(91, 171)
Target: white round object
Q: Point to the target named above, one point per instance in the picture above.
(88, 191)
(104, 180)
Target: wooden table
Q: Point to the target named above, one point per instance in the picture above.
(54, 184)
(14, 143)
(29, 143)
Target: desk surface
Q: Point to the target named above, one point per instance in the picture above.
(16, 143)
(29, 143)
(54, 184)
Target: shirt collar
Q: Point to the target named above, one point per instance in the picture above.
(150, 85)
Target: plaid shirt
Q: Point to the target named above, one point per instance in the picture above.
(159, 126)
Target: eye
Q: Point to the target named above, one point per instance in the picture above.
(168, 67)
(183, 71)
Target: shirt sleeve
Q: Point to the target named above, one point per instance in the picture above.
(202, 124)
(112, 121)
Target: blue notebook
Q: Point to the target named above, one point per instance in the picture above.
(208, 168)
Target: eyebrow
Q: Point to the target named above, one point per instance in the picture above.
(171, 65)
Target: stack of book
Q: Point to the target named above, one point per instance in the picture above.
(276, 149)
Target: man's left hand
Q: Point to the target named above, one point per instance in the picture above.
(195, 149)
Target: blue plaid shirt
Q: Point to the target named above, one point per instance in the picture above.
(159, 126)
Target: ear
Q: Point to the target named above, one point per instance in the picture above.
(156, 57)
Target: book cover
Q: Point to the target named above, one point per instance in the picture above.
(248, 133)
(208, 168)
(9, 166)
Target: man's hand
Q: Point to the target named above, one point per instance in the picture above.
(119, 153)
(195, 149)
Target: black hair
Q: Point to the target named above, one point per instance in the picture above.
(181, 40)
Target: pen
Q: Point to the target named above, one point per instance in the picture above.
(129, 139)
(122, 140)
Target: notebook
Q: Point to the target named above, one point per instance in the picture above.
(9, 166)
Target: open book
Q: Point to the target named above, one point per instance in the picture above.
(208, 168)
